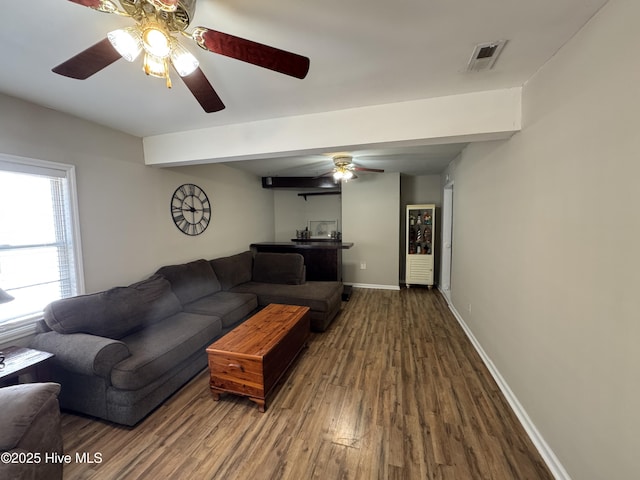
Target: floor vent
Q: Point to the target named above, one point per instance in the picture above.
(485, 55)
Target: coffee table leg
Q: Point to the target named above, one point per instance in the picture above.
(216, 393)
(262, 406)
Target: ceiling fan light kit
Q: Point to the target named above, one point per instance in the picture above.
(344, 167)
(158, 22)
(342, 173)
(159, 47)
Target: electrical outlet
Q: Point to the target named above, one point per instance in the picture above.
(469, 308)
(363, 265)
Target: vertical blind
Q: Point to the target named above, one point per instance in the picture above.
(39, 243)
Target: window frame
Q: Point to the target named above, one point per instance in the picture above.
(26, 326)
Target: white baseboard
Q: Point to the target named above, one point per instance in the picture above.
(543, 448)
(374, 286)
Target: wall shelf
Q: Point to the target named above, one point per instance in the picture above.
(315, 194)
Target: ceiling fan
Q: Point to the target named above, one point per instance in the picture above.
(344, 167)
(158, 24)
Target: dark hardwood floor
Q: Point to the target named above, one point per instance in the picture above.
(393, 390)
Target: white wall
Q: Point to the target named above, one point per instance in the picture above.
(126, 227)
(371, 219)
(293, 212)
(545, 268)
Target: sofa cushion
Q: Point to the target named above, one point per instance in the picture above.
(233, 270)
(114, 313)
(318, 296)
(159, 347)
(230, 307)
(285, 268)
(191, 281)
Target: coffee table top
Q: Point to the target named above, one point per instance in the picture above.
(259, 334)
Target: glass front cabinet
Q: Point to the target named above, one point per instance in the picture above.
(420, 244)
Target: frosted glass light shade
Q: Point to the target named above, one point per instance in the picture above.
(154, 66)
(156, 42)
(342, 173)
(183, 61)
(127, 42)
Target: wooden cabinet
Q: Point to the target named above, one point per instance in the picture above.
(421, 222)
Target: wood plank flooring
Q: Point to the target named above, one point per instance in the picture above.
(393, 390)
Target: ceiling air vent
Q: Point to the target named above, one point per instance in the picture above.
(485, 55)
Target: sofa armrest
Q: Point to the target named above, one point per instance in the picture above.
(21, 404)
(82, 353)
(282, 268)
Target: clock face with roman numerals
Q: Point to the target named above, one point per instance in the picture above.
(190, 209)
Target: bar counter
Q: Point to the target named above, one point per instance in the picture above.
(323, 259)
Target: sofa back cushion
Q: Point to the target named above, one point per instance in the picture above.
(154, 300)
(114, 313)
(191, 281)
(233, 270)
(282, 268)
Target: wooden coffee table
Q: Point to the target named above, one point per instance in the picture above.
(251, 358)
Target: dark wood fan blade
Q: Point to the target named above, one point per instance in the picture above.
(363, 169)
(200, 87)
(89, 61)
(88, 3)
(252, 52)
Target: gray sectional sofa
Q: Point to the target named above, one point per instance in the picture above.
(121, 352)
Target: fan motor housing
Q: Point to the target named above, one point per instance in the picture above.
(178, 20)
(342, 160)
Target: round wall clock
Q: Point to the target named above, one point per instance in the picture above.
(190, 209)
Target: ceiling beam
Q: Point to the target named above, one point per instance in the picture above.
(489, 115)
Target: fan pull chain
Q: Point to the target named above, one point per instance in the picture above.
(166, 74)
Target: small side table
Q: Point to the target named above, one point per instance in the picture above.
(21, 360)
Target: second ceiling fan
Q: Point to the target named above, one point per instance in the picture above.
(344, 167)
(158, 24)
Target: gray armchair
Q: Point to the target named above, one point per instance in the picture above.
(29, 430)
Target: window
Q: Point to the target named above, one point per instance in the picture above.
(40, 259)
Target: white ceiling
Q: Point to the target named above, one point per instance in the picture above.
(419, 160)
(363, 52)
